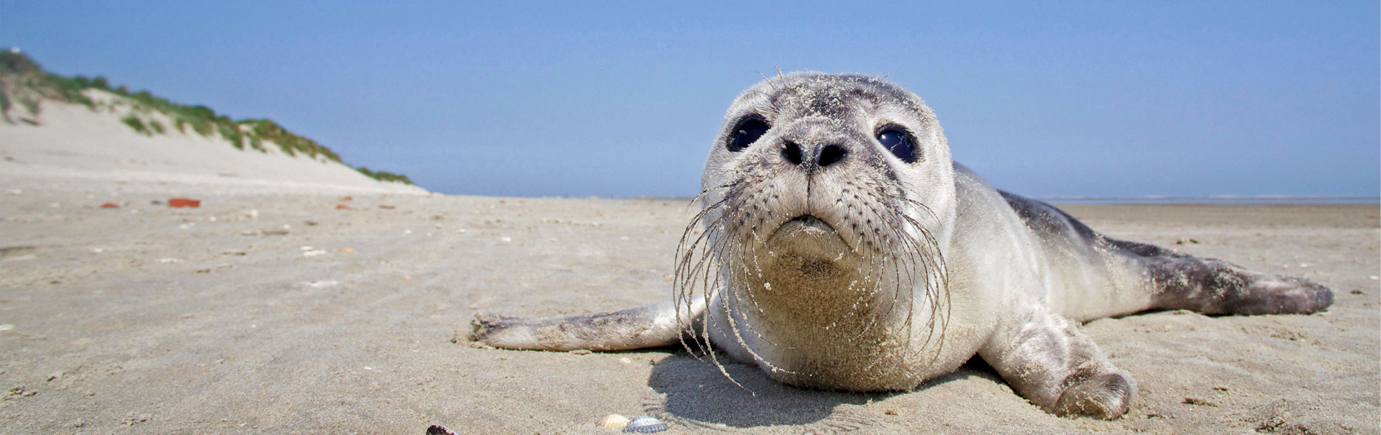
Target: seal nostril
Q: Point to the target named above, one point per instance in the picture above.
(792, 153)
(831, 154)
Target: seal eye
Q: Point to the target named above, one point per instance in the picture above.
(900, 143)
(746, 132)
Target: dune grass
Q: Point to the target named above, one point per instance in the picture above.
(137, 124)
(384, 176)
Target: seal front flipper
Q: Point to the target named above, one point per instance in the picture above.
(653, 325)
(1046, 359)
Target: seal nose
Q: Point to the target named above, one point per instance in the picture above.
(827, 155)
(830, 155)
(792, 153)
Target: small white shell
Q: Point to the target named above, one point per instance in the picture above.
(645, 424)
(613, 421)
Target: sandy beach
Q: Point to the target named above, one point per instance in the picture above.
(288, 313)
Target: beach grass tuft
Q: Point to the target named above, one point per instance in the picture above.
(137, 124)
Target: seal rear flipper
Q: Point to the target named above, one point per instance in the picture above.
(1210, 286)
(1176, 280)
(654, 325)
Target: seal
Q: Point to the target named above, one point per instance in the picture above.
(840, 247)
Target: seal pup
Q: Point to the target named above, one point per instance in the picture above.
(843, 249)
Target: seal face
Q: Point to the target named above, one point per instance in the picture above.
(817, 232)
(844, 249)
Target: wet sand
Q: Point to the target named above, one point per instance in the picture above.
(281, 313)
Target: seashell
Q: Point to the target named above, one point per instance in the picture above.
(645, 424)
(613, 421)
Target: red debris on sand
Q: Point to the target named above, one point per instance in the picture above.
(184, 202)
(110, 205)
(346, 198)
(342, 207)
(386, 207)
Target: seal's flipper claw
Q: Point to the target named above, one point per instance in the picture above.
(1106, 396)
(483, 323)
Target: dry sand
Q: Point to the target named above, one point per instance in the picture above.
(280, 313)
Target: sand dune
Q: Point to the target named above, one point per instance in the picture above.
(73, 142)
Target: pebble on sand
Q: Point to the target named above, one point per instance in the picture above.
(439, 430)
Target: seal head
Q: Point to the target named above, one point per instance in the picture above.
(827, 200)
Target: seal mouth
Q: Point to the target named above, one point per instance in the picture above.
(808, 221)
(808, 235)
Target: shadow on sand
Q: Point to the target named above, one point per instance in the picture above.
(697, 394)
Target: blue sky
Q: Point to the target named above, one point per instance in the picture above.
(622, 99)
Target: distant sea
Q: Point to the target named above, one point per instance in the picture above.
(1225, 199)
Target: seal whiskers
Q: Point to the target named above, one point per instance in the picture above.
(896, 254)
